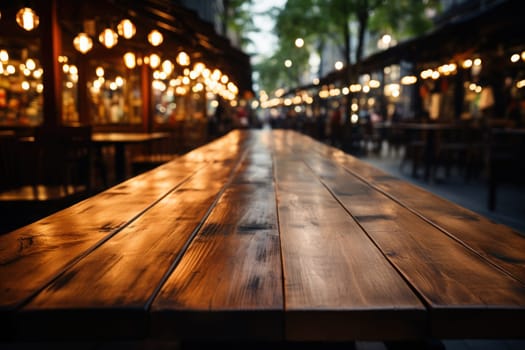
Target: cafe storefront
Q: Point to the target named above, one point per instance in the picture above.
(115, 65)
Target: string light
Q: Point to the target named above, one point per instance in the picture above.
(99, 71)
(4, 56)
(155, 37)
(183, 59)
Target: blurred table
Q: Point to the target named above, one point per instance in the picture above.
(119, 140)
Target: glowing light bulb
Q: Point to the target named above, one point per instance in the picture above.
(108, 38)
(129, 60)
(126, 29)
(155, 37)
(27, 19)
(82, 43)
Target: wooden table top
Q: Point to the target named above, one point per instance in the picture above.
(123, 137)
(263, 235)
(117, 137)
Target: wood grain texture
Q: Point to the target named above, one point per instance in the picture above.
(455, 282)
(338, 286)
(228, 284)
(119, 278)
(31, 257)
(499, 244)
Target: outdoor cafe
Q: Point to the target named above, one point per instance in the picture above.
(450, 100)
(123, 86)
(255, 238)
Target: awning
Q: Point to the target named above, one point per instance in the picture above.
(496, 27)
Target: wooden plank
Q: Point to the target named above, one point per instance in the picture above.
(28, 256)
(120, 277)
(33, 256)
(338, 286)
(228, 285)
(499, 244)
(467, 296)
(357, 263)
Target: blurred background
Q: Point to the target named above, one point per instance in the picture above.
(431, 91)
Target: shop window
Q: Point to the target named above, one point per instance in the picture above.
(21, 87)
(178, 99)
(69, 90)
(114, 93)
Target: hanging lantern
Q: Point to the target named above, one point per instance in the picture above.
(82, 43)
(155, 37)
(27, 19)
(108, 38)
(126, 29)
(129, 60)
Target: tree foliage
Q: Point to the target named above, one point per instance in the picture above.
(342, 23)
(403, 18)
(237, 20)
